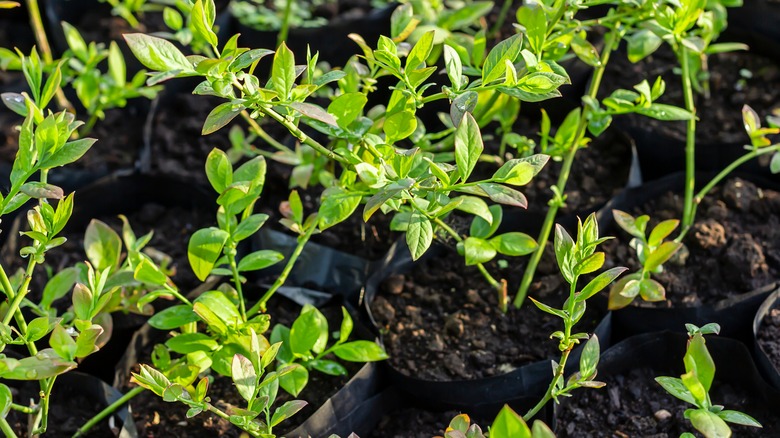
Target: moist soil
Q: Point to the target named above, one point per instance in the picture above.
(413, 423)
(736, 79)
(633, 404)
(441, 322)
(731, 249)
(69, 409)
(768, 336)
(156, 418)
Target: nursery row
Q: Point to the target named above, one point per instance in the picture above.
(354, 218)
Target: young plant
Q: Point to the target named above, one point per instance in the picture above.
(508, 424)
(44, 144)
(694, 386)
(652, 252)
(576, 258)
(99, 91)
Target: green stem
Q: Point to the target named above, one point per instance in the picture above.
(23, 409)
(302, 240)
(237, 281)
(722, 175)
(260, 132)
(481, 117)
(548, 394)
(690, 140)
(434, 97)
(305, 139)
(502, 14)
(285, 24)
(500, 287)
(110, 409)
(6, 428)
(42, 418)
(563, 178)
(178, 295)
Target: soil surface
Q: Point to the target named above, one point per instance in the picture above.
(736, 79)
(69, 410)
(768, 336)
(731, 249)
(633, 405)
(413, 423)
(156, 418)
(441, 322)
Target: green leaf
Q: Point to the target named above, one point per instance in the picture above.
(629, 224)
(532, 17)
(244, 377)
(149, 273)
(295, 380)
(202, 23)
(708, 423)
(541, 83)
(38, 328)
(478, 251)
(664, 112)
(204, 248)
(547, 309)
(309, 332)
(651, 290)
(158, 54)
(514, 244)
(249, 226)
(495, 67)
(675, 387)
(286, 411)
(419, 234)
(259, 260)
(59, 286)
(475, 206)
(384, 195)
(468, 146)
(329, 367)
(39, 190)
(661, 231)
(509, 424)
(68, 153)
(221, 116)
(641, 44)
(585, 51)
(454, 67)
(173, 317)
(172, 19)
(590, 358)
(398, 126)
(346, 325)
(219, 171)
(284, 71)
(660, 255)
(102, 245)
(47, 363)
(336, 206)
(63, 343)
(360, 351)
(6, 399)
(86, 341)
(420, 51)
(698, 360)
(216, 309)
(347, 107)
(187, 343)
(484, 229)
(600, 282)
(737, 417)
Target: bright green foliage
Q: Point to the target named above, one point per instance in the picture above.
(652, 250)
(694, 386)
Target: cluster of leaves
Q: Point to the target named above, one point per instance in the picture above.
(508, 424)
(694, 386)
(652, 250)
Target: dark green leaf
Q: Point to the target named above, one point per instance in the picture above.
(360, 351)
(173, 317)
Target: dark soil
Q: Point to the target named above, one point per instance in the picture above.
(736, 79)
(69, 410)
(413, 423)
(732, 247)
(336, 11)
(441, 322)
(156, 418)
(769, 334)
(633, 405)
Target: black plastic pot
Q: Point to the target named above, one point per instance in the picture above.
(663, 353)
(768, 368)
(331, 40)
(479, 395)
(733, 314)
(96, 392)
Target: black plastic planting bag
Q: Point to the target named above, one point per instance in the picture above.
(733, 314)
(765, 364)
(469, 395)
(663, 352)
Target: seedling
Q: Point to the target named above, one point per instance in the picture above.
(508, 424)
(694, 387)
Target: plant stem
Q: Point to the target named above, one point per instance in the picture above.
(42, 417)
(722, 175)
(690, 139)
(563, 178)
(23, 409)
(7, 429)
(260, 132)
(500, 287)
(305, 139)
(237, 281)
(548, 394)
(43, 44)
(502, 14)
(110, 409)
(282, 37)
(302, 240)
